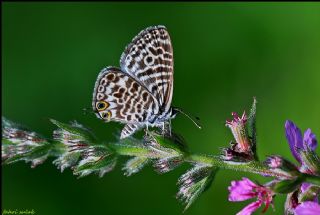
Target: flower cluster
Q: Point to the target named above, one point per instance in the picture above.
(80, 151)
(302, 197)
(18, 143)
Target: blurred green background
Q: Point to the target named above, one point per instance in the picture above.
(225, 53)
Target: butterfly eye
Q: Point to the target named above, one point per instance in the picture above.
(106, 115)
(102, 105)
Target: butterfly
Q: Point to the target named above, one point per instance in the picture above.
(139, 93)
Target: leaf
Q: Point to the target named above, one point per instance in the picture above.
(173, 141)
(252, 126)
(287, 186)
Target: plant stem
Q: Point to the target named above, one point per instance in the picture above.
(129, 150)
(312, 179)
(253, 167)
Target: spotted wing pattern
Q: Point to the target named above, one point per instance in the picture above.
(119, 97)
(128, 130)
(149, 58)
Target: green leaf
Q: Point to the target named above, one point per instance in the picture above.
(173, 141)
(252, 126)
(287, 186)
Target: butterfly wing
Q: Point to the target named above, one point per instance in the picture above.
(119, 97)
(149, 59)
(128, 130)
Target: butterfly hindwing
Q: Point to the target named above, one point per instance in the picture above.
(149, 59)
(119, 97)
(128, 130)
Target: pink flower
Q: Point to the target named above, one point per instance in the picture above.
(238, 129)
(307, 208)
(246, 189)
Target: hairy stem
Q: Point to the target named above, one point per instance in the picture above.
(253, 166)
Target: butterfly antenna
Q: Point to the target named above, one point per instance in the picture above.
(197, 118)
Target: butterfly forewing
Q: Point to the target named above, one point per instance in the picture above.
(149, 59)
(119, 97)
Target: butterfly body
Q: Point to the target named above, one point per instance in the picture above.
(138, 94)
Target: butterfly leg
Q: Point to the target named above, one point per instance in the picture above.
(166, 128)
(146, 129)
(163, 129)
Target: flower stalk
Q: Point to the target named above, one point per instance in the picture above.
(76, 147)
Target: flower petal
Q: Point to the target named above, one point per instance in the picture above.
(242, 190)
(250, 208)
(307, 208)
(304, 187)
(294, 138)
(310, 140)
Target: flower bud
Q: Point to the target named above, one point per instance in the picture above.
(168, 163)
(95, 159)
(134, 165)
(239, 131)
(308, 192)
(19, 144)
(194, 182)
(282, 165)
(310, 162)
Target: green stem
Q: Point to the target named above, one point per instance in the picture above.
(253, 166)
(312, 179)
(129, 150)
(57, 148)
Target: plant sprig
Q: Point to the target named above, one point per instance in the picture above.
(75, 146)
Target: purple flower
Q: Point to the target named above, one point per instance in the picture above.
(301, 148)
(274, 161)
(294, 138)
(310, 140)
(307, 208)
(246, 189)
